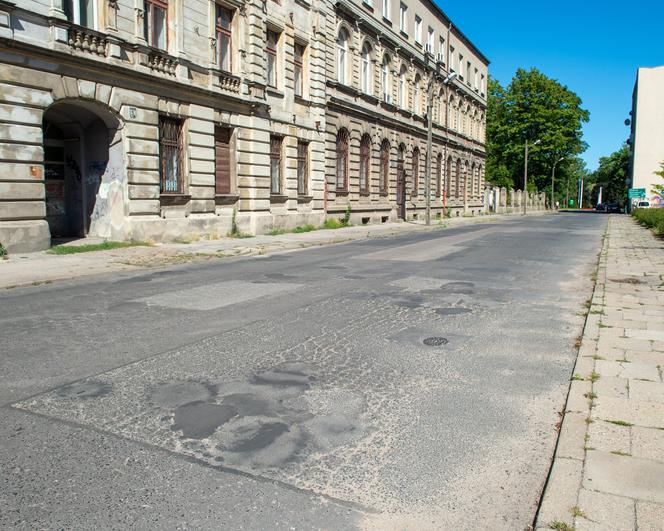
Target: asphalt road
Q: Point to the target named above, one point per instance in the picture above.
(407, 382)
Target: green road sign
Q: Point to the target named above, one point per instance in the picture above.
(636, 192)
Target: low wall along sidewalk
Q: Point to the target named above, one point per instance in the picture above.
(608, 471)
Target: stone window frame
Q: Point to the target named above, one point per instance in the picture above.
(302, 167)
(415, 170)
(343, 55)
(169, 145)
(342, 150)
(74, 10)
(365, 164)
(384, 179)
(272, 56)
(386, 79)
(439, 174)
(276, 156)
(220, 32)
(148, 11)
(366, 69)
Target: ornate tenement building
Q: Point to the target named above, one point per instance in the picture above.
(388, 55)
(162, 119)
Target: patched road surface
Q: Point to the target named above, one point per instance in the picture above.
(411, 382)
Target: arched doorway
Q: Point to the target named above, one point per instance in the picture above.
(83, 169)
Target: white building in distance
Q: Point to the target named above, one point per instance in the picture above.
(647, 138)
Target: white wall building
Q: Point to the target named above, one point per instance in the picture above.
(647, 139)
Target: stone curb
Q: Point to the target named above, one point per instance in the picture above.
(596, 481)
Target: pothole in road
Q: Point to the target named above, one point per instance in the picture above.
(453, 311)
(436, 341)
(88, 389)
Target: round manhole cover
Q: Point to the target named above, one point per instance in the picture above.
(435, 341)
(89, 389)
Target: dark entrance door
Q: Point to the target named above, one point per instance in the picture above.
(401, 186)
(222, 151)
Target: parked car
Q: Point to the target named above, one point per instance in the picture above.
(643, 204)
(613, 208)
(601, 207)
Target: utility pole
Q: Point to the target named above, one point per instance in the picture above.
(553, 176)
(446, 81)
(525, 177)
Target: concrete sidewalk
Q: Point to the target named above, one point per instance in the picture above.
(608, 471)
(43, 267)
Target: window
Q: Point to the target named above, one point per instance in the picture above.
(482, 85)
(272, 55)
(452, 60)
(365, 163)
(416, 95)
(403, 88)
(469, 70)
(441, 49)
(418, 29)
(298, 69)
(302, 167)
(431, 39)
(342, 160)
(460, 66)
(448, 177)
(82, 12)
(222, 156)
(457, 184)
(476, 80)
(170, 155)
(383, 185)
(403, 18)
(224, 19)
(366, 74)
(386, 9)
(342, 57)
(275, 164)
(155, 23)
(385, 80)
(439, 174)
(416, 170)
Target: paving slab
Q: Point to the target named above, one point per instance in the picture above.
(649, 516)
(604, 511)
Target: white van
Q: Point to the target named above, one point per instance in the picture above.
(643, 204)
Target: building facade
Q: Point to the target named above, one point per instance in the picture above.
(164, 119)
(647, 135)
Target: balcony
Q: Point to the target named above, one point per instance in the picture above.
(229, 82)
(162, 62)
(87, 40)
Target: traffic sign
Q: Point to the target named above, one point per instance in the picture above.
(636, 192)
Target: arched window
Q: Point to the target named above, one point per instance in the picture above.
(416, 95)
(466, 174)
(365, 163)
(439, 174)
(367, 72)
(403, 88)
(457, 184)
(472, 180)
(342, 56)
(448, 178)
(342, 160)
(385, 80)
(384, 183)
(416, 170)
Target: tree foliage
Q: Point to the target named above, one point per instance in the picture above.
(532, 107)
(659, 188)
(612, 174)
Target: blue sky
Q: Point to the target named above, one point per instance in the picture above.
(592, 47)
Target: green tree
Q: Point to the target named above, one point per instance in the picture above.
(532, 107)
(659, 188)
(612, 174)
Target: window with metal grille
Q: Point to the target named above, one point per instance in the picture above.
(224, 20)
(272, 54)
(439, 174)
(365, 163)
(170, 155)
(416, 171)
(302, 167)
(384, 167)
(298, 69)
(457, 187)
(448, 178)
(275, 164)
(342, 160)
(155, 28)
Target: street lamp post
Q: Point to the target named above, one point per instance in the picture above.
(553, 176)
(446, 81)
(525, 177)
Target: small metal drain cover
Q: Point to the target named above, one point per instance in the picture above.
(457, 310)
(88, 389)
(435, 341)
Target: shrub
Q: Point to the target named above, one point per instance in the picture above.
(332, 223)
(4, 254)
(652, 218)
(303, 228)
(346, 220)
